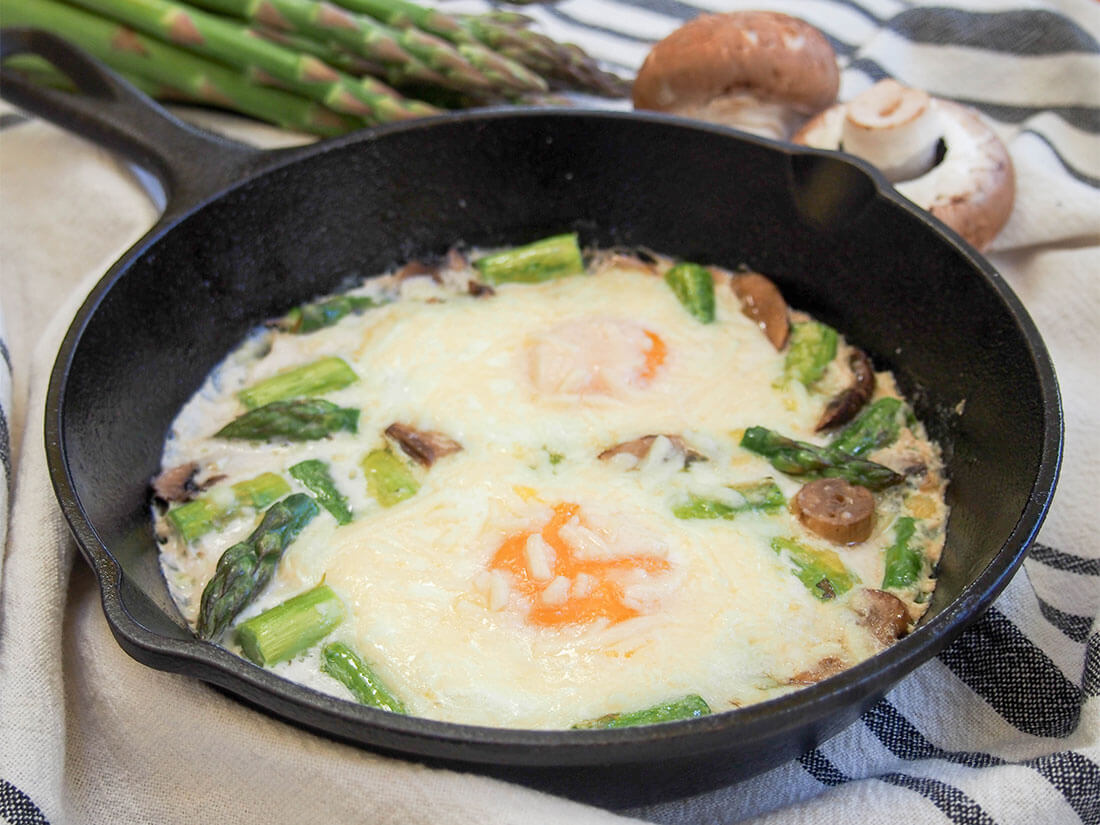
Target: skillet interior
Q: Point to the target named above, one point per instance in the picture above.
(908, 292)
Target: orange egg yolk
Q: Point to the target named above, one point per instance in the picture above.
(603, 597)
(595, 356)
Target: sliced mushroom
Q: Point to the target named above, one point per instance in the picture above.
(843, 407)
(829, 666)
(762, 301)
(640, 447)
(480, 290)
(416, 269)
(423, 446)
(884, 614)
(838, 511)
(177, 483)
(760, 71)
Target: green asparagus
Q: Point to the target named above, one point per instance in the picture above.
(288, 628)
(903, 561)
(315, 475)
(301, 419)
(810, 349)
(195, 77)
(877, 426)
(315, 378)
(201, 515)
(686, 707)
(820, 570)
(694, 287)
(555, 257)
(325, 313)
(342, 663)
(799, 458)
(762, 497)
(389, 479)
(246, 567)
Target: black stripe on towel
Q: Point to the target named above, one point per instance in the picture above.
(1075, 627)
(1090, 680)
(1077, 777)
(902, 739)
(820, 768)
(1064, 561)
(5, 454)
(16, 808)
(955, 805)
(989, 657)
(1031, 32)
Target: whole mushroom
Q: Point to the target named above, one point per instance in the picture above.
(761, 71)
(903, 131)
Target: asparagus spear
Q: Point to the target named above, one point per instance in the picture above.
(319, 314)
(200, 515)
(686, 707)
(314, 474)
(876, 427)
(288, 628)
(153, 61)
(245, 568)
(903, 562)
(342, 663)
(301, 419)
(763, 496)
(389, 479)
(555, 257)
(316, 378)
(799, 458)
(820, 570)
(694, 287)
(810, 348)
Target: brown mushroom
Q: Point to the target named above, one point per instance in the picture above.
(423, 446)
(829, 666)
(176, 483)
(640, 447)
(762, 301)
(761, 71)
(902, 131)
(884, 614)
(843, 407)
(838, 511)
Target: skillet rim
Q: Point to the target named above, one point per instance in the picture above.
(839, 696)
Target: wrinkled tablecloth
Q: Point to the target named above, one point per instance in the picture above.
(1003, 727)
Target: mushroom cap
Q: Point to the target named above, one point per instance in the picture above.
(973, 187)
(769, 55)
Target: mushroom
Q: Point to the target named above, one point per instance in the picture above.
(423, 446)
(760, 71)
(902, 131)
(844, 406)
(640, 447)
(762, 301)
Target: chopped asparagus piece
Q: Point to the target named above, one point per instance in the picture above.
(799, 458)
(201, 515)
(346, 666)
(326, 375)
(820, 570)
(810, 348)
(312, 317)
(555, 257)
(876, 427)
(314, 474)
(763, 496)
(694, 287)
(903, 562)
(285, 630)
(245, 568)
(687, 707)
(389, 480)
(301, 419)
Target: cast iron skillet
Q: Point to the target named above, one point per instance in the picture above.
(248, 234)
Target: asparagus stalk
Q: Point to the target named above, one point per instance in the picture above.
(316, 378)
(694, 287)
(810, 348)
(820, 570)
(342, 663)
(325, 313)
(314, 474)
(686, 707)
(759, 497)
(876, 427)
(903, 562)
(555, 257)
(799, 458)
(389, 480)
(300, 419)
(201, 515)
(288, 628)
(159, 63)
(245, 568)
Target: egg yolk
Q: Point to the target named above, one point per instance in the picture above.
(570, 589)
(595, 356)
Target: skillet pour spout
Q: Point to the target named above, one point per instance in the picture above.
(269, 231)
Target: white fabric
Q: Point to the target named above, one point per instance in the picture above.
(87, 735)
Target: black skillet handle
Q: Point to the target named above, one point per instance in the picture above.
(189, 163)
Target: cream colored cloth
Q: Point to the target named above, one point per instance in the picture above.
(87, 735)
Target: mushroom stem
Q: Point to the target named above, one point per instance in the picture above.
(893, 127)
